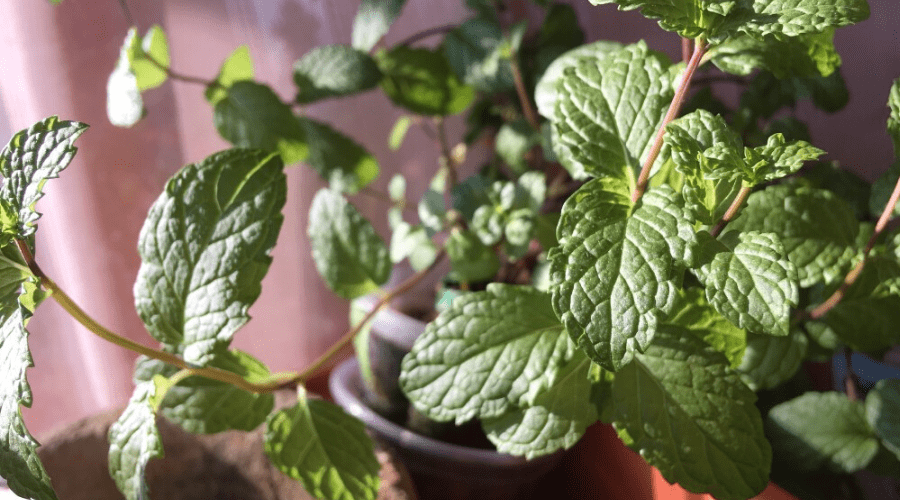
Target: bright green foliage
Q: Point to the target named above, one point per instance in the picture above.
(204, 406)
(806, 55)
(822, 429)
(546, 92)
(776, 159)
(13, 274)
(866, 318)
(694, 419)
(349, 254)
(479, 55)
(412, 242)
(334, 71)
(372, 21)
(31, 157)
(238, 67)
(787, 18)
(252, 116)
(150, 58)
(421, 81)
(693, 315)
(489, 352)
(141, 66)
(470, 259)
(618, 102)
(325, 449)
(883, 412)
(134, 440)
(398, 132)
(514, 140)
(749, 280)
(618, 269)
(19, 463)
(338, 159)
(770, 361)
(508, 211)
(556, 419)
(205, 248)
(893, 123)
(816, 227)
(689, 18)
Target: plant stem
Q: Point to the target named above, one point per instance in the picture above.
(527, 107)
(732, 210)
(677, 101)
(127, 12)
(686, 49)
(178, 76)
(854, 273)
(437, 30)
(445, 153)
(851, 381)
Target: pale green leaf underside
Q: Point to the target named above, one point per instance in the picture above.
(823, 429)
(546, 92)
(770, 361)
(31, 157)
(490, 351)
(334, 71)
(19, 463)
(818, 229)
(349, 254)
(205, 248)
(608, 109)
(555, 420)
(694, 315)
(133, 441)
(325, 449)
(801, 17)
(204, 406)
(692, 418)
(883, 412)
(340, 160)
(372, 21)
(616, 275)
(749, 280)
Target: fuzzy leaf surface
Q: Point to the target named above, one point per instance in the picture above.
(815, 226)
(372, 21)
(31, 157)
(770, 361)
(689, 18)
(843, 441)
(203, 406)
(555, 420)
(340, 160)
(788, 18)
(617, 269)
(883, 412)
(349, 254)
(327, 450)
(693, 315)
(19, 462)
(692, 418)
(608, 109)
(252, 116)
(133, 441)
(334, 71)
(422, 81)
(490, 351)
(205, 248)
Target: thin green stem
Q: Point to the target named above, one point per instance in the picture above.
(445, 153)
(178, 76)
(732, 210)
(644, 177)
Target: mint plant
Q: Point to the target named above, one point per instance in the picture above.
(634, 252)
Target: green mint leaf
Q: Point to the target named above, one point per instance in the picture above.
(471, 261)
(770, 361)
(14, 274)
(883, 413)
(489, 352)
(432, 211)
(616, 274)
(555, 420)
(822, 429)
(237, 67)
(816, 227)
(141, 66)
(560, 27)
(203, 406)
(478, 54)
(421, 81)
(787, 18)
(31, 157)
(688, 18)
(546, 92)
(778, 158)
(807, 55)
(749, 280)
(866, 317)
(19, 463)
(325, 449)
(340, 160)
(513, 141)
(398, 132)
(893, 123)
(149, 58)
(134, 440)
(413, 242)
(252, 116)
(693, 315)
(692, 418)
(882, 189)
(372, 21)
(205, 248)
(618, 101)
(334, 71)
(349, 254)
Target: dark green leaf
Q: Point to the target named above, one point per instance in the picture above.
(205, 248)
(421, 81)
(693, 315)
(348, 253)
(787, 18)
(883, 413)
(334, 71)
(867, 316)
(770, 361)
(325, 449)
(844, 183)
(560, 27)
(470, 259)
(238, 67)
(372, 21)
(338, 159)
(479, 55)
(134, 440)
(882, 189)
(806, 55)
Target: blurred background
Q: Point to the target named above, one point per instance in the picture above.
(56, 61)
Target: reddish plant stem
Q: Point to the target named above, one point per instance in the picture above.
(677, 101)
(527, 107)
(686, 49)
(732, 210)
